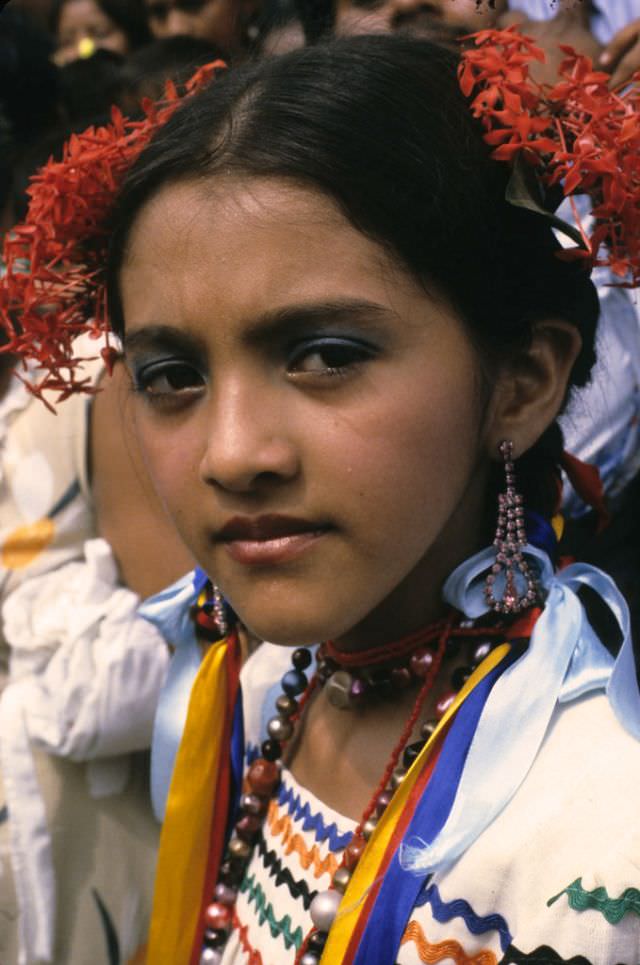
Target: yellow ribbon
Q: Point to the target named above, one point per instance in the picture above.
(368, 866)
(184, 842)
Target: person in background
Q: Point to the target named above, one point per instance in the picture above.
(89, 87)
(621, 55)
(80, 27)
(442, 21)
(608, 32)
(37, 10)
(82, 539)
(232, 25)
(146, 71)
(29, 98)
(80, 533)
(283, 34)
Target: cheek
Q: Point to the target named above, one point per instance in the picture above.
(407, 464)
(172, 460)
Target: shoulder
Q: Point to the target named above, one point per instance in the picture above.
(561, 863)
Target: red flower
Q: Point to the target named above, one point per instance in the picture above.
(578, 133)
(53, 289)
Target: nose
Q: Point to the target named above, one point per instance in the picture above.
(247, 444)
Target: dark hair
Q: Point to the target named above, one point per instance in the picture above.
(380, 125)
(28, 78)
(129, 15)
(89, 86)
(146, 71)
(29, 96)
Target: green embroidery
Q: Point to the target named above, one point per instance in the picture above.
(613, 909)
(265, 913)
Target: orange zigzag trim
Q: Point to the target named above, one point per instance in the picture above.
(292, 841)
(430, 954)
(255, 958)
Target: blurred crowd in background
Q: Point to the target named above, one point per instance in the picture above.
(63, 63)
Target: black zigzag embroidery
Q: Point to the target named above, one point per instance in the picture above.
(544, 955)
(297, 889)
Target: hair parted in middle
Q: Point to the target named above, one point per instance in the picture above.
(379, 124)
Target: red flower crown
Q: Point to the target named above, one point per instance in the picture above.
(53, 288)
(578, 134)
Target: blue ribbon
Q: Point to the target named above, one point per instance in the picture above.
(541, 533)
(400, 888)
(170, 613)
(237, 762)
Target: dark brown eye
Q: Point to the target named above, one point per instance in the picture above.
(168, 378)
(328, 356)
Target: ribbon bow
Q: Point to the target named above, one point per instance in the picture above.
(564, 661)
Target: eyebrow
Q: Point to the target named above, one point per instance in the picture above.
(165, 337)
(270, 325)
(311, 315)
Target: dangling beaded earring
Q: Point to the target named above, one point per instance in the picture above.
(219, 612)
(509, 542)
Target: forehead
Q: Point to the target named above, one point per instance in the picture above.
(243, 247)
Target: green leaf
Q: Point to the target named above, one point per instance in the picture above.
(524, 191)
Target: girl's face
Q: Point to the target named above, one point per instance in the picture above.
(313, 420)
(84, 21)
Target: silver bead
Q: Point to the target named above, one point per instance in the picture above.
(368, 828)
(398, 777)
(341, 879)
(309, 959)
(428, 728)
(239, 848)
(324, 908)
(280, 729)
(286, 705)
(210, 956)
(338, 689)
(252, 804)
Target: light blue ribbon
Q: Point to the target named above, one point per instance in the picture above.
(170, 613)
(564, 660)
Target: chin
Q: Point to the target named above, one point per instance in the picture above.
(285, 627)
(287, 632)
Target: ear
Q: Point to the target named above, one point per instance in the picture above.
(531, 388)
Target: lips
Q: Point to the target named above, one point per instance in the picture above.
(266, 540)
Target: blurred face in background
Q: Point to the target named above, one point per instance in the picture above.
(222, 22)
(443, 21)
(83, 27)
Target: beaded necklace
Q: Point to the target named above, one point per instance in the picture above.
(350, 679)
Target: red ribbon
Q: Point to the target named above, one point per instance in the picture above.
(587, 482)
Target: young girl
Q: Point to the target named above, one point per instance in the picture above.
(348, 352)
(80, 27)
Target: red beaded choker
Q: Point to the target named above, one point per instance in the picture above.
(353, 677)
